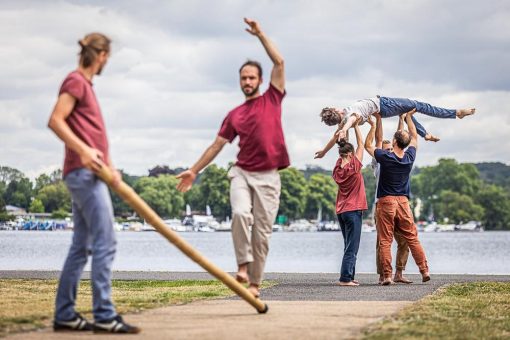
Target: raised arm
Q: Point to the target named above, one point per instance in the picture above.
(378, 131)
(278, 72)
(412, 128)
(401, 120)
(331, 143)
(348, 124)
(187, 177)
(359, 141)
(369, 142)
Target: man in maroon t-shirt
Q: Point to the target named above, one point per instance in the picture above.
(78, 122)
(255, 181)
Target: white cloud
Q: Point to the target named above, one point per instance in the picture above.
(172, 76)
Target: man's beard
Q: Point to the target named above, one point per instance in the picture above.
(252, 92)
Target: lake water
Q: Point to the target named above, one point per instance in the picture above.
(451, 253)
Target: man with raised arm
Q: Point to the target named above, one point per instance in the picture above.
(385, 107)
(254, 179)
(402, 247)
(393, 191)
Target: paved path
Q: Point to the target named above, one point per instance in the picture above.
(301, 306)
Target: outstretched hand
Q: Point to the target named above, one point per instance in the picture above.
(254, 27)
(410, 113)
(319, 154)
(187, 178)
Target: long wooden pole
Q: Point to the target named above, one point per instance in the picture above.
(143, 210)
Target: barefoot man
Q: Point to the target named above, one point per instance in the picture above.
(386, 107)
(402, 246)
(254, 179)
(393, 190)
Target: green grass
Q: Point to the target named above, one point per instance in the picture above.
(478, 310)
(29, 304)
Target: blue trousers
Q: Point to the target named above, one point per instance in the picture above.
(93, 233)
(350, 224)
(391, 107)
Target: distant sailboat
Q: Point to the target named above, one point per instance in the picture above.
(208, 210)
(188, 210)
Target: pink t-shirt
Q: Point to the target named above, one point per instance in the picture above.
(258, 124)
(85, 120)
(351, 188)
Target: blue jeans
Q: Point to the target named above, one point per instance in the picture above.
(93, 232)
(350, 223)
(391, 107)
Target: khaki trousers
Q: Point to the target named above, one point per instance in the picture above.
(395, 212)
(254, 197)
(402, 250)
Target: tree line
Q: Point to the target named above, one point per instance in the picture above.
(449, 192)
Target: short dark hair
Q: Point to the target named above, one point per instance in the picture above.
(344, 147)
(402, 138)
(254, 64)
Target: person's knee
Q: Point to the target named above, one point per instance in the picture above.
(243, 215)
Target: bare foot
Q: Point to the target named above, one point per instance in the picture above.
(355, 281)
(242, 277)
(401, 279)
(387, 281)
(254, 289)
(431, 138)
(350, 283)
(465, 112)
(425, 277)
(381, 279)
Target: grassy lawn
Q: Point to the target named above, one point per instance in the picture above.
(478, 310)
(29, 304)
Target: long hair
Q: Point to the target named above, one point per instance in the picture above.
(91, 46)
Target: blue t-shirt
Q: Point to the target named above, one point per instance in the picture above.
(394, 176)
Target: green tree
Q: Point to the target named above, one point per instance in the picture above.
(8, 174)
(19, 193)
(161, 194)
(293, 193)
(4, 216)
(36, 206)
(457, 207)
(121, 208)
(54, 197)
(496, 202)
(214, 190)
(321, 192)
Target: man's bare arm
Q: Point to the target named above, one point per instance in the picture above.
(187, 177)
(369, 141)
(378, 131)
(278, 71)
(401, 120)
(412, 128)
(91, 158)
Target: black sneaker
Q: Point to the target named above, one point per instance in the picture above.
(115, 325)
(79, 323)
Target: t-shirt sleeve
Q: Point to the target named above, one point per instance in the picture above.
(378, 154)
(357, 164)
(274, 95)
(227, 130)
(336, 172)
(74, 87)
(411, 153)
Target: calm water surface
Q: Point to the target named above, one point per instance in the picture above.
(454, 253)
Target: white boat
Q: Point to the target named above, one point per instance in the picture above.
(175, 224)
(224, 226)
(301, 225)
(431, 227)
(445, 227)
(147, 227)
(470, 226)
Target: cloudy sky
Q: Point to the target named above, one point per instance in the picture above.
(172, 76)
